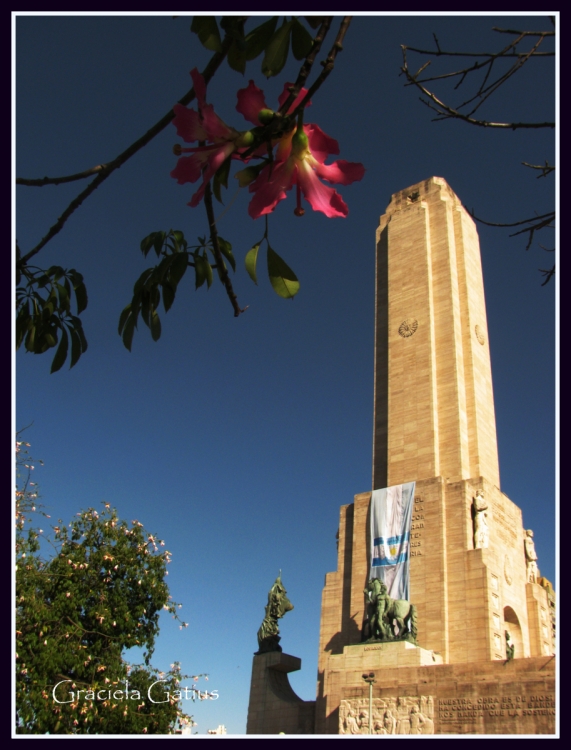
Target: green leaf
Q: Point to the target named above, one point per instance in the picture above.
(251, 260)
(276, 51)
(179, 238)
(78, 326)
(207, 30)
(226, 250)
(258, 38)
(178, 268)
(155, 297)
(61, 353)
(123, 317)
(56, 271)
(207, 270)
(75, 347)
(161, 271)
(234, 26)
(128, 331)
(23, 322)
(199, 270)
(43, 281)
(301, 40)
(142, 280)
(155, 326)
(246, 176)
(314, 21)
(146, 306)
(282, 278)
(169, 292)
(30, 340)
(237, 57)
(147, 243)
(63, 297)
(80, 294)
(221, 178)
(158, 241)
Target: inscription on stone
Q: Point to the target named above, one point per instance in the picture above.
(503, 706)
(416, 534)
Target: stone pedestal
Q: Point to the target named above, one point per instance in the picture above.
(274, 707)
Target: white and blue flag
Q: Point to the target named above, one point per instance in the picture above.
(391, 519)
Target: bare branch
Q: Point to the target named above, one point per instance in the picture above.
(59, 180)
(441, 53)
(549, 217)
(537, 223)
(548, 274)
(446, 112)
(545, 170)
(523, 33)
(485, 90)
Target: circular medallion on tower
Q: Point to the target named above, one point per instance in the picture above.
(408, 327)
(508, 570)
(480, 335)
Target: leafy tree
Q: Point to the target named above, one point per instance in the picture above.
(100, 593)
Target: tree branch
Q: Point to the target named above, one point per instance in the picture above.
(329, 63)
(446, 112)
(221, 267)
(523, 33)
(210, 69)
(305, 69)
(537, 222)
(485, 90)
(545, 170)
(59, 180)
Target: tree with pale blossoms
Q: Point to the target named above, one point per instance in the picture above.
(98, 593)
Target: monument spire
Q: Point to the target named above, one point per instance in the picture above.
(434, 408)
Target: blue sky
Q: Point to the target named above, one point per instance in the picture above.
(236, 440)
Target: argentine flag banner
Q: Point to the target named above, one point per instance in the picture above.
(391, 518)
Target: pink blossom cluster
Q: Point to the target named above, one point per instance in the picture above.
(299, 157)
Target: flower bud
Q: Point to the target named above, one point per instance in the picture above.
(245, 139)
(299, 143)
(265, 116)
(248, 175)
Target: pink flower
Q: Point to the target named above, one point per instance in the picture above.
(300, 161)
(204, 125)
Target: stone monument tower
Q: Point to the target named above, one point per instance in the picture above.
(483, 662)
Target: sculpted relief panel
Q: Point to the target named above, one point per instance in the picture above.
(391, 715)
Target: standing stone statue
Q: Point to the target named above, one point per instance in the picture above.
(480, 520)
(278, 604)
(510, 646)
(532, 571)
